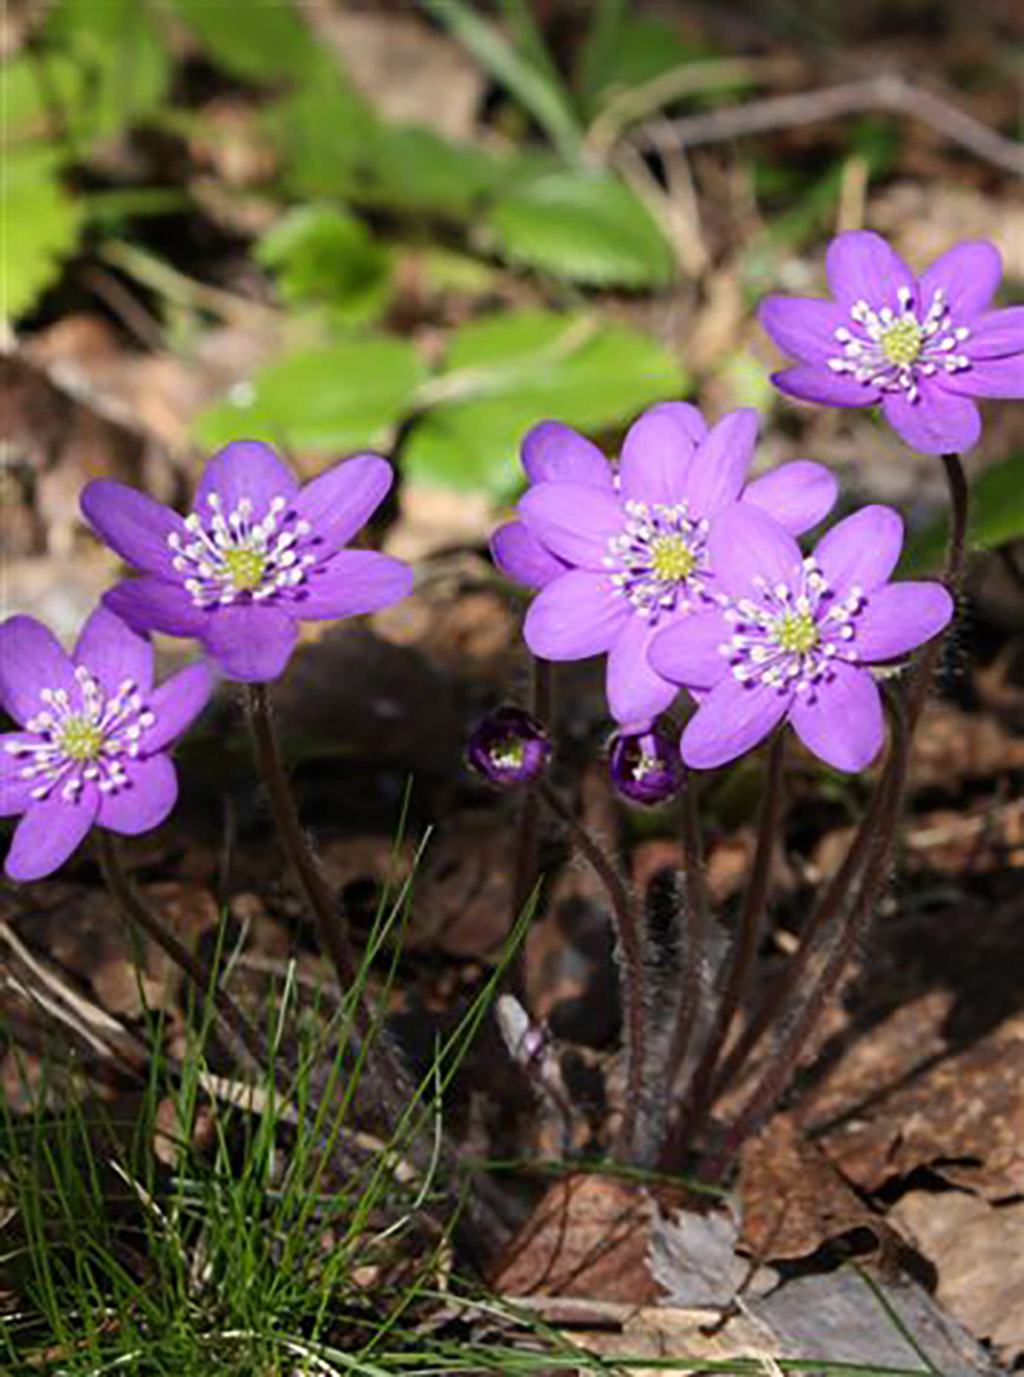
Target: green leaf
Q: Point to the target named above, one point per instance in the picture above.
(531, 83)
(508, 372)
(586, 227)
(40, 227)
(996, 518)
(324, 256)
(344, 396)
(262, 41)
(320, 131)
(407, 168)
(636, 52)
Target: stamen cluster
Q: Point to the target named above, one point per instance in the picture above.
(901, 346)
(235, 557)
(658, 558)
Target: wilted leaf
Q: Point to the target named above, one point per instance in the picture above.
(324, 256)
(41, 226)
(327, 400)
(529, 366)
(584, 226)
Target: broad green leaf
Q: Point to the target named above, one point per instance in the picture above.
(533, 84)
(328, 400)
(996, 518)
(508, 372)
(263, 40)
(326, 257)
(320, 130)
(640, 50)
(407, 168)
(40, 227)
(587, 227)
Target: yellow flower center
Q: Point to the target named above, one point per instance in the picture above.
(508, 754)
(796, 631)
(672, 560)
(80, 739)
(902, 342)
(245, 568)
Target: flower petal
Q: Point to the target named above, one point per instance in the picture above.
(690, 651)
(655, 461)
(898, 618)
(109, 647)
(861, 266)
(747, 547)
(340, 501)
(555, 453)
(797, 495)
(988, 378)
(152, 604)
(31, 660)
(862, 550)
(48, 834)
(636, 691)
(812, 383)
(576, 615)
(687, 417)
(575, 522)
(244, 469)
(145, 801)
(175, 705)
(841, 721)
(133, 525)
(937, 421)
(521, 557)
(996, 334)
(731, 719)
(350, 583)
(804, 327)
(720, 465)
(251, 643)
(15, 791)
(968, 276)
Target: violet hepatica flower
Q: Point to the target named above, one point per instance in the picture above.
(922, 348)
(794, 639)
(258, 554)
(645, 766)
(94, 737)
(620, 555)
(509, 748)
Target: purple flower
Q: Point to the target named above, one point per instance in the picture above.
(94, 739)
(618, 556)
(645, 766)
(793, 638)
(509, 747)
(257, 555)
(923, 348)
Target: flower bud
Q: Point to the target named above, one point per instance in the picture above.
(509, 747)
(646, 766)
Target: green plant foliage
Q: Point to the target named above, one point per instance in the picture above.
(40, 227)
(327, 400)
(996, 518)
(259, 41)
(587, 227)
(326, 257)
(313, 164)
(627, 50)
(510, 371)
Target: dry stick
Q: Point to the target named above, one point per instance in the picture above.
(887, 91)
(695, 1111)
(627, 926)
(696, 922)
(873, 821)
(245, 1042)
(875, 877)
(528, 835)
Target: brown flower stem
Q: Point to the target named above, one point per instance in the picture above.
(744, 954)
(956, 549)
(694, 935)
(875, 875)
(243, 1039)
(528, 831)
(631, 945)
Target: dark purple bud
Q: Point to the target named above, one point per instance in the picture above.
(646, 767)
(509, 747)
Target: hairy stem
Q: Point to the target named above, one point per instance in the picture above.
(956, 549)
(631, 945)
(528, 833)
(696, 922)
(243, 1039)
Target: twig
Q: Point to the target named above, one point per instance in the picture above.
(887, 91)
